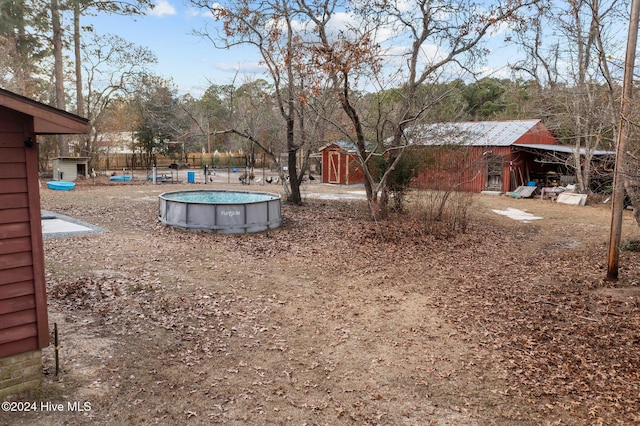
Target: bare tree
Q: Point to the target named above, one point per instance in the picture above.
(80, 7)
(270, 27)
(456, 28)
(569, 46)
(57, 43)
(114, 67)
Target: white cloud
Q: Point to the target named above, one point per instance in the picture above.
(162, 8)
(203, 12)
(240, 68)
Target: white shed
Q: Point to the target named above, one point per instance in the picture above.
(69, 168)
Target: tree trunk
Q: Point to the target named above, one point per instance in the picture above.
(577, 165)
(292, 162)
(86, 149)
(63, 145)
(78, 59)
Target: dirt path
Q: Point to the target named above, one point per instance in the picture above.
(320, 323)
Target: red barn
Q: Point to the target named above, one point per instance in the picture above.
(24, 330)
(340, 164)
(482, 156)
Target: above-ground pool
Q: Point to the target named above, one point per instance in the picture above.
(230, 212)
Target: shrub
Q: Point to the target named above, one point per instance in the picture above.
(442, 212)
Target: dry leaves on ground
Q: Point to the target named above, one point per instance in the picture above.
(322, 321)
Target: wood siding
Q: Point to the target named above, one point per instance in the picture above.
(23, 311)
(65, 170)
(465, 168)
(69, 168)
(539, 134)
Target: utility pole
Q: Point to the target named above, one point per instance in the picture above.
(617, 207)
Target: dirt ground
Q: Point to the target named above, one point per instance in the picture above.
(320, 322)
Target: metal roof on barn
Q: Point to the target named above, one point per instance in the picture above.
(477, 133)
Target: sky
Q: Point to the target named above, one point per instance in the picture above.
(193, 63)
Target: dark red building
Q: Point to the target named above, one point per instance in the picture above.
(482, 156)
(24, 330)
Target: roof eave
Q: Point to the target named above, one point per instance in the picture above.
(47, 120)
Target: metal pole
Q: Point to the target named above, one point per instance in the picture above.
(56, 346)
(623, 132)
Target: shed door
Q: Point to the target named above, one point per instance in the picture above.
(334, 167)
(494, 172)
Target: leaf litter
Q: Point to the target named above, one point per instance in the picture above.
(322, 322)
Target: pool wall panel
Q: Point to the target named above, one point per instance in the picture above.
(200, 216)
(237, 218)
(231, 218)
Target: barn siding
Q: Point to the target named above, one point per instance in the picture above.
(344, 168)
(506, 153)
(18, 347)
(464, 168)
(325, 166)
(355, 173)
(460, 168)
(23, 317)
(23, 306)
(539, 134)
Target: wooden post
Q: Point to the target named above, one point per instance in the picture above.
(623, 132)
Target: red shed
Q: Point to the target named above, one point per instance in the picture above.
(481, 156)
(24, 330)
(340, 164)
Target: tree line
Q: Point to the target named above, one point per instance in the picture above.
(364, 72)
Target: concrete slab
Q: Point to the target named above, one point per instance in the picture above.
(54, 226)
(58, 225)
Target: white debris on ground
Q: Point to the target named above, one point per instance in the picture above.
(349, 195)
(517, 214)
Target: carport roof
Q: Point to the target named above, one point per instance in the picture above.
(561, 148)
